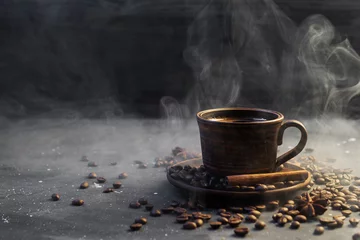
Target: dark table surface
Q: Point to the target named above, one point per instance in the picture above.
(41, 157)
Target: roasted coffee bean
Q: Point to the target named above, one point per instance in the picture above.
(123, 175)
(300, 218)
(55, 197)
(354, 208)
(135, 226)
(101, 180)
(276, 216)
(356, 236)
(346, 213)
(134, 205)
(238, 215)
(155, 213)
(282, 221)
(149, 207)
(292, 202)
(199, 222)
(174, 204)
(92, 175)
(260, 208)
(261, 188)
(260, 224)
(255, 213)
(180, 210)
(225, 214)
(143, 201)
(188, 215)
(319, 230)
(196, 214)
(250, 218)
(325, 221)
(189, 225)
(353, 188)
(142, 166)
(354, 222)
(141, 220)
(180, 219)
(221, 210)
(356, 182)
(249, 209)
(108, 190)
(290, 183)
(215, 225)
(283, 210)
(92, 164)
(336, 206)
(353, 201)
(77, 202)
(271, 187)
(332, 225)
(234, 222)
(84, 185)
(320, 181)
(295, 225)
(223, 220)
(273, 205)
(206, 217)
(167, 210)
(236, 209)
(279, 184)
(344, 182)
(288, 217)
(241, 231)
(117, 185)
(293, 213)
(290, 206)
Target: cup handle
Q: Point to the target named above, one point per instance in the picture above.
(299, 147)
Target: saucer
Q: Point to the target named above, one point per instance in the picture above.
(219, 196)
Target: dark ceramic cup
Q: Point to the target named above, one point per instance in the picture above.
(245, 140)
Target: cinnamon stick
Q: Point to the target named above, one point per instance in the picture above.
(266, 178)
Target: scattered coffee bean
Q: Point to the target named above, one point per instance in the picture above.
(336, 206)
(135, 226)
(206, 217)
(293, 213)
(300, 218)
(77, 202)
(295, 225)
(260, 208)
(344, 182)
(319, 230)
(149, 207)
(288, 217)
(225, 215)
(356, 236)
(123, 175)
(332, 225)
(101, 180)
(108, 190)
(84, 185)
(234, 222)
(238, 215)
(354, 208)
(189, 225)
(249, 209)
(135, 205)
(346, 213)
(92, 175)
(221, 210)
(198, 222)
(223, 220)
(290, 206)
(113, 163)
(354, 222)
(215, 225)
(282, 221)
(272, 205)
(236, 209)
(92, 164)
(324, 221)
(290, 202)
(167, 210)
(55, 197)
(250, 218)
(276, 216)
(320, 181)
(255, 213)
(180, 210)
(283, 210)
(241, 231)
(260, 224)
(155, 213)
(143, 201)
(181, 219)
(141, 220)
(117, 185)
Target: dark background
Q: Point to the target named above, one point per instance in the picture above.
(116, 57)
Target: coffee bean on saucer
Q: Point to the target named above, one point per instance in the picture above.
(189, 225)
(155, 213)
(279, 184)
(108, 190)
(319, 230)
(250, 218)
(77, 202)
(241, 231)
(295, 225)
(84, 185)
(123, 175)
(346, 213)
(271, 187)
(261, 188)
(149, 207)
(260, 225)
(300, 218)
(143, 201)
(223, 220)
(92, 164)
(117, 185)
(141, 220)
(101, 180)
(92, 175)
(255, 213)
(215, 225)
(181, 219)
(167, 210)
(276, 216)
(199, 222)
(135, 226)
(55, 197)
(356, 236)
(135, 205)
(354, 222)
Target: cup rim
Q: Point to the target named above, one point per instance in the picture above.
(280, 116)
